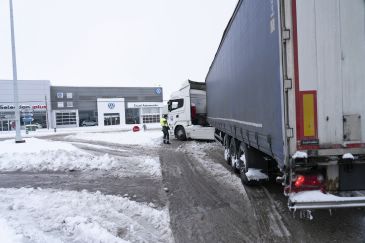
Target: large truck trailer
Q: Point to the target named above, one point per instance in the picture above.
(286, 94)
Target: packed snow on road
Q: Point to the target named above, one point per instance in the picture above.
(216, 170)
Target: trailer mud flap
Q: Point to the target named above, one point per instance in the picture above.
(318, 200)
(352, 176)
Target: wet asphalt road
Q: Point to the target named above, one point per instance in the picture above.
(201, 208)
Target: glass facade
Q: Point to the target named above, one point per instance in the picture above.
(111, 119)
(132, 116)
(7, 119)
(7, 125)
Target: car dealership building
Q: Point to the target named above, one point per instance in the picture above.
(105, 105)
(34, 102)
(70, 106)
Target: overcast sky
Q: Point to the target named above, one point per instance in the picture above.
(113, 42)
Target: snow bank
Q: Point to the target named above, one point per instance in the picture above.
(8, 234)
(256, 175)
(69, 216)
(135, 138)
(42, 155)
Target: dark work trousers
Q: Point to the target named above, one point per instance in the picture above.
(166, 137)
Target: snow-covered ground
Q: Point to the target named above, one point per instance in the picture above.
(42, 155)
(34, 145)
(8, 234)
(47, 132)
(46, 215)
(150, 137)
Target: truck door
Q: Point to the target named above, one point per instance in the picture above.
(176, 111)
(331, 60)
(352, 25)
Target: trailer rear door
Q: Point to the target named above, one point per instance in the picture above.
(330, 94)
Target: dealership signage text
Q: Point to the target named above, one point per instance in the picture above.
(23, 107)
(143, 105)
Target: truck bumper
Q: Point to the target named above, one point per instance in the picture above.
(319, 200)
(200, 132)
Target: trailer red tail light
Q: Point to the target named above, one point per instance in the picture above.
(308, 182)
(299, 181)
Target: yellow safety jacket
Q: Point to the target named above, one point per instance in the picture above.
(163, 122)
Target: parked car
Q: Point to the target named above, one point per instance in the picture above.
(32, 127)
(39, 126)
(36, 125)
(89, 123)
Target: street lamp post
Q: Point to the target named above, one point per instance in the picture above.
(18, 136)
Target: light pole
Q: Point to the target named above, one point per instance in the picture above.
(18, 136)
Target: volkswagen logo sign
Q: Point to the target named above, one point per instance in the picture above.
(158, 91)
(111, 106)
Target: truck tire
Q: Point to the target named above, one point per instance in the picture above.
(245, 164)
(227, 154)
(180, 133)
(233, 151)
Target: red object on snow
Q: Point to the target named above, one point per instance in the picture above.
(136, 129)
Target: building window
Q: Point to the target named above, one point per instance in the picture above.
(151, 115)
(66, 118)
(70, 104)
(111, 119)
(60, 104)
(151, 118)
(59, 95)
(69, 95)
(132, 116)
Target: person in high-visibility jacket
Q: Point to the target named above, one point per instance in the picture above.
(165, 129)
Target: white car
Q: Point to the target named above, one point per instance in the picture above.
(89, 123)
(37, 125)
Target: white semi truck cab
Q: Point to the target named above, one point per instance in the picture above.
(187, 113)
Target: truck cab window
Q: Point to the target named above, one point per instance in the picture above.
(175, 104)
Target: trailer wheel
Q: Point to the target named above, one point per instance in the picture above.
(245, 164)
(233, 155)
(180, 133)
(226, 148)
